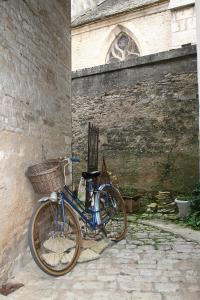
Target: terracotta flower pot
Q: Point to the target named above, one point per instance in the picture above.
(131, 204)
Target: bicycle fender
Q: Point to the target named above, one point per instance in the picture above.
(43, 199)
(97, 202)
(102, 186)
(97, 209)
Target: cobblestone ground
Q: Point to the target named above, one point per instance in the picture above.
(150, 264)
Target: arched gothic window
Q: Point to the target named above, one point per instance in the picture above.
(122, 48)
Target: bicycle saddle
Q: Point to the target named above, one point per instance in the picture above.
(93, 174)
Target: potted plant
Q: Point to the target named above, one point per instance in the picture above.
(184, 205)
(131, 199)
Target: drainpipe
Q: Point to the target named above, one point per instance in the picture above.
(197, 3)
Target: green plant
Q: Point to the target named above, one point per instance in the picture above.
(184, 197)
(128, 191)
(195, 205)
(194, 219)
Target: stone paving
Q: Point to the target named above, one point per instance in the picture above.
(150, 264)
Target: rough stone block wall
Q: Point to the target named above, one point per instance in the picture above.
(147, 111)
(35, 109)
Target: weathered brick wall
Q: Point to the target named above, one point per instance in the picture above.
(35, 111)
(147, 111)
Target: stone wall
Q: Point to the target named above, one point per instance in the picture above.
(147, 111)
(35, 109)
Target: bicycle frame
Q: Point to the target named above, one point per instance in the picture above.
(80, 210)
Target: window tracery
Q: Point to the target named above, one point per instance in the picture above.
(122, 48)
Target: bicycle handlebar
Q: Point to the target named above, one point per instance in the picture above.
(70, 159)
(75, 159)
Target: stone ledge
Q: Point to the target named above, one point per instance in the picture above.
(186, 233)
(140, 61)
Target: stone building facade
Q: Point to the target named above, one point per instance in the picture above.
(153, 25)
(35, 109)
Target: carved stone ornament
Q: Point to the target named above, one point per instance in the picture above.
(122, 48)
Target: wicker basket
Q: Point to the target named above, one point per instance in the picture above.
(46, 177)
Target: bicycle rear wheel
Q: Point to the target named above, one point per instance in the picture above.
(54, 238)
(112, 212)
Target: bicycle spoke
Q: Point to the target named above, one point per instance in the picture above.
(54, 238)
(112, 208)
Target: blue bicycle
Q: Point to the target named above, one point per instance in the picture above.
(55, 234)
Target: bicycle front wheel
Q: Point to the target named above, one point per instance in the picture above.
(55, 238)
(112, 212)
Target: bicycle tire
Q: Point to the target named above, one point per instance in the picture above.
(71, 234)
(112, 212)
